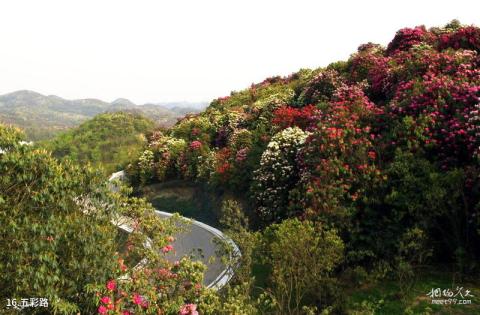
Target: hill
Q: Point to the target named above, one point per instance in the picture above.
(107, 141)
(382, 148)
(44, 116)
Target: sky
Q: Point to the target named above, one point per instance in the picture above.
(179, 50)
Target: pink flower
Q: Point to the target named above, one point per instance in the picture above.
(167, 248)
(188, 309)
(105, 300)
(111, 285)
(126, 313)
(102, 310)
(137, 299)
(195, 145)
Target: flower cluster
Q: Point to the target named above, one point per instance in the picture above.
(287, 116)
(152, 290)
(278, 173)
(321, 87)
(338, 158)
(406, 38)
(195, 145)
(188, 309)
(465, 37)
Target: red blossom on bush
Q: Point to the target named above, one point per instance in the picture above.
(102, 310)
(287, 116)
(111, 285)
(167, 249)
(195, 145)
(406, 38)
(188, 309)
(465, 37)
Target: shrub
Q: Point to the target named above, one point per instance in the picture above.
(302, 257)
(278, 174)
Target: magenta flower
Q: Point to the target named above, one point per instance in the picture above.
(188, 309)
(105, 300)
(111, 285)
(137, 299)
(195, 145)
(102, 310)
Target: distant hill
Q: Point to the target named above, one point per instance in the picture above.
(44, 116)
(109, 140)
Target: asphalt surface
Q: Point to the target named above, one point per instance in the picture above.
(203, 245)
(202, 242)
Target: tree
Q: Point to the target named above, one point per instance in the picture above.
(301, 256)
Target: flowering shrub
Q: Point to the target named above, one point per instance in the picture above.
(287, 116)
(465, 37)
(195, 145)
(371, 140)
(406, 38)
(338, 159)
(447, 102)
(321, 87)
(278, 174)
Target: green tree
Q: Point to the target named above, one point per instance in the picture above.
(56, 232)
(302, 257)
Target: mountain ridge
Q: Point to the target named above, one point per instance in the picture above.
(43, 116)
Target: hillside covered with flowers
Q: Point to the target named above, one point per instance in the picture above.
(381, 150)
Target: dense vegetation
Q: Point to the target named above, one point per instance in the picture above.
(57, 243)
(43, 117)
(381, 150)
(350, 189)
(108, 141)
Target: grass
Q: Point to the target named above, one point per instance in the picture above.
(385, 298)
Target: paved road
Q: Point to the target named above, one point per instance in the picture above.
(202, 241)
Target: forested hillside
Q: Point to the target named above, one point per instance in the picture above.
(44, 116)
(108, 141)
(381, 150)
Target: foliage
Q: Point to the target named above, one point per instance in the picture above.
(278, 174)
(108, 140)
(44, 117)
(383, 148)
(56, 232)
(301, 256)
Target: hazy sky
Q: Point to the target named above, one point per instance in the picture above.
(191, 50)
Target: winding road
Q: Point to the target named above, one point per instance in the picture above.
(204, 242)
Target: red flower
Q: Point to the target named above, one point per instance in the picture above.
(102, 310)
(111, 285)
(137, 299)
(105, 300)
(188, 309)
(167, 249)
(195, 145)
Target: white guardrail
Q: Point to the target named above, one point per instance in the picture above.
(225, 276)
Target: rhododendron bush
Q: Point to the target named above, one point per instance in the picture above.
(278, 174)
(377, 146)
